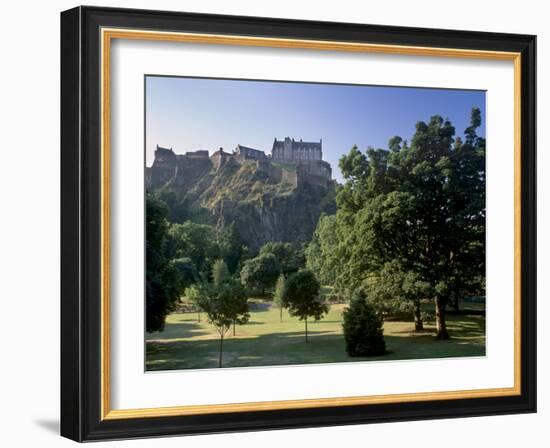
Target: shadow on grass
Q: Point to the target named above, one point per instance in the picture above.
(323, 347)
(182, 328)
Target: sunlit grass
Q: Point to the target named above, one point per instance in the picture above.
(264, 340)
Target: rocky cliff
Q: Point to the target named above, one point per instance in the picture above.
(266, 200)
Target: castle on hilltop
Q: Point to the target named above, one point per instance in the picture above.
(293, 161)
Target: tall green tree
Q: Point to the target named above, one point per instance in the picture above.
(226, 305)
(302, 299)
(162, 278)
(421, 206)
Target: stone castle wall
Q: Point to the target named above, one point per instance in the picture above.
(184, 169)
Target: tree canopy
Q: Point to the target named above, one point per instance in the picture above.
(288, 259)
(421, 207)
(260, 272)
(194, 241)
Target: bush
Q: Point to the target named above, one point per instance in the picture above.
(363, 331)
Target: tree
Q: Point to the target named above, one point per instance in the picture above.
(220, 273)
(278, 295)
(162, 279)
(395, 290)
(225, 305)
(194, 241)
(301, 297)
(363, 331)
(231, 247)
(422, 206)
(288, 259)
(260, 272)
(197, 294)
(324, 252)
(188, 272)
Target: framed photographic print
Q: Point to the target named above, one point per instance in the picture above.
(273, 223)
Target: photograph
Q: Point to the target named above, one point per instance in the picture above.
(284, 221)
(294, 223)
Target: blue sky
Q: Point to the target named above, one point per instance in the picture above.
(195, 113)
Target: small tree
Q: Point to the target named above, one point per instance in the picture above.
(301, 297)
(278, 295)
(220, 273)
(226, 305)
(363, 331)
(196, 294)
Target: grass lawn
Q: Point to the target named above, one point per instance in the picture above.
(188, 344)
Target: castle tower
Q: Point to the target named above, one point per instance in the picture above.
(291, 150)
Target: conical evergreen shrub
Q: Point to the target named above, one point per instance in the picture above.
(363, 331)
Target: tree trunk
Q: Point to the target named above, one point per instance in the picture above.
(440, 320)
(233, 328)
(456, 304)
(221, 350)
(305, 320)
(199, 316)
(418, 324)
(281, 314)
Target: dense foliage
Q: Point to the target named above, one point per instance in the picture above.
(322, 254)
(289, 260)
(363, 331)
(162, 277)
(260, 272)
(420, 208)
(394, 291)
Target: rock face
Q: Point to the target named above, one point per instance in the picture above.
(265, 200)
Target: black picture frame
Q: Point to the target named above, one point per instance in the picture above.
(81, 381)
